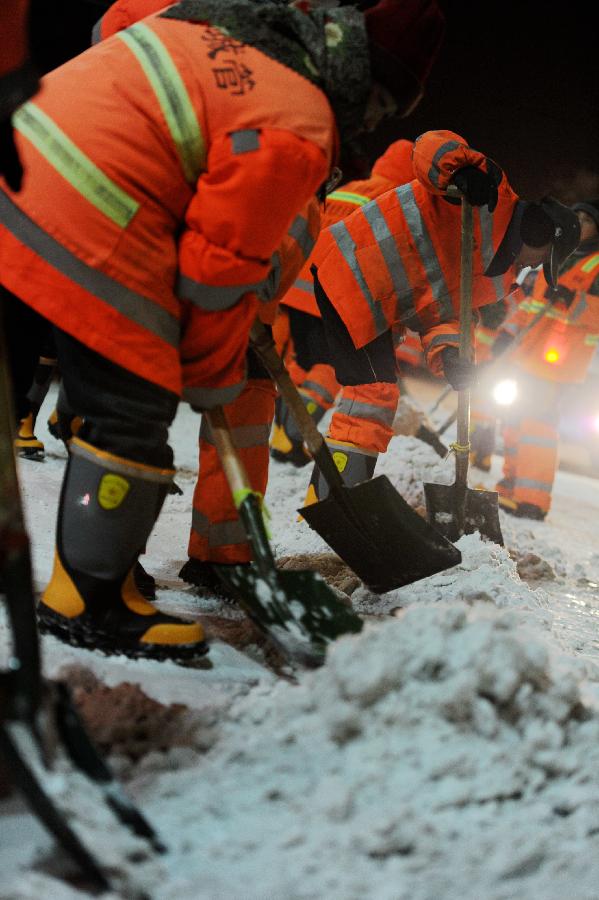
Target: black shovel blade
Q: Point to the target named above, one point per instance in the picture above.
(380, 536)
(444, 504)
(297, 610)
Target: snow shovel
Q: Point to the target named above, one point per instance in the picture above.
(370, 526)
(296, 609)
(37, 718)
(456, 509)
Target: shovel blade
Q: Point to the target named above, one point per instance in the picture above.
(379, 535)
(296, 609)
(444, 505)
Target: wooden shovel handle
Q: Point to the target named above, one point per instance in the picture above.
(235, 472)
(264, 346)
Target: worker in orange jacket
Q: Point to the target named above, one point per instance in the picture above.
(395, 263)
(299, 328)
(145, 233)
(217, 535)
(557, 351)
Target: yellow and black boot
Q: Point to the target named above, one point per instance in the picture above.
(286, 442)
(27, 444)
(107, 510)
(354, 463)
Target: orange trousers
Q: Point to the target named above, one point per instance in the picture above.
(217, 533)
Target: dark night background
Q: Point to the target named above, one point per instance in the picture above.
(520, 81)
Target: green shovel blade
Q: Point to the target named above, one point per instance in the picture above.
(297, 610)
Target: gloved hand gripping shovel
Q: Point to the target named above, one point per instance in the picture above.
(37, 718)
(456, 509)
(370, 526)
(297, 610)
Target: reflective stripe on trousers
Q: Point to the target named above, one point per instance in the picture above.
(364, 416)
(217, 533)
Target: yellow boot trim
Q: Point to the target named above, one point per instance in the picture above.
(175, 633)
(119, 463)
(133, 600)
(76, 423)
(25, 436)
(311, 496)
(506, 502)
(279, 440)
(61, 595)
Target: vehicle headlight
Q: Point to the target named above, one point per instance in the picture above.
(505, 392)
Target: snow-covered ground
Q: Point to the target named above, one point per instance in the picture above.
(449, 751)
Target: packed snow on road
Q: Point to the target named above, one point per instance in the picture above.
(451, 750)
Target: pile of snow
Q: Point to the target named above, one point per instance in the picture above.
(438, 755)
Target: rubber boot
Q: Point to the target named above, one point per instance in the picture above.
(354, 463)
(107, 510)
(27, 445)
(286, 442)
(201, 574)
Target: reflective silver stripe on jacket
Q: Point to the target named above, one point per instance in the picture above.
(532, 440)
(208, 398)
(405, 310)
(300, 233)
(97, 31)
(435, 171)
(578, 307)
(140, 310)
(245, 140)
(210, 297)
(426, 250)
(302, 285)
(218, 534)
(347, 247)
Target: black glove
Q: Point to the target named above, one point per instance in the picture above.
(460, 373)
(478, 187)
(10, 164)
(561, 294)
(493, 314)
(501, 343)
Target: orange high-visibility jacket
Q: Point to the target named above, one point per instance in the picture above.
(17, 79)
(394, 167)
(561, 345)
(303, 231)
(124, 13)
(395, 262)
(162, 177)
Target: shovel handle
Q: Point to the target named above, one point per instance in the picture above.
(264, 346)
(240, 485)
(462, 450)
